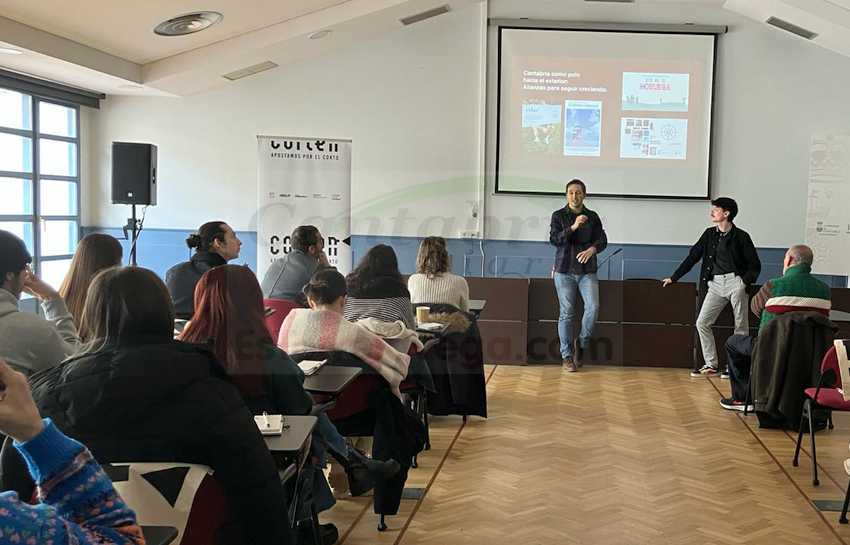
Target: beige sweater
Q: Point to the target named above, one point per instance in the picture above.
(444, 288)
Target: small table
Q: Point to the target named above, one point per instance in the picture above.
(839, 316)
(477, 305)
(159, 535)
(331, 380)
(293, 437)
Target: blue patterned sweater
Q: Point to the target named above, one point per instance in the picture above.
(77, 503)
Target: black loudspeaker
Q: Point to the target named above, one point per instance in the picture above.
(133, 173)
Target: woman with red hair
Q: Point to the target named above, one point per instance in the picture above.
(229, 312)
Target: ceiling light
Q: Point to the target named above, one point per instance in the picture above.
(130, 86)
(10, 51)
(188, 23)
(319, 34)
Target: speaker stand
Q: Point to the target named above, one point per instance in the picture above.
(133, 227)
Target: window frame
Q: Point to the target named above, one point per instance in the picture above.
(36, 219)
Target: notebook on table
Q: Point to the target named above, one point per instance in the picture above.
(311, 366)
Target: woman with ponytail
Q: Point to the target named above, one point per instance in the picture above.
(215, 244)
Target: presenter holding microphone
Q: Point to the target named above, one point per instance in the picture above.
(577, 235)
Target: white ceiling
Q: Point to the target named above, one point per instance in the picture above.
(125, 28)
(105, 45)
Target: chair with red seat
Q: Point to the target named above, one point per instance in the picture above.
(824, 398)
(281, 310)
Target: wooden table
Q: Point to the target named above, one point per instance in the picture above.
(331, 380)
(159, 535)
(477, 305)
(293, 437)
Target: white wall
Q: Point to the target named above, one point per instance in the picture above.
(774, 91)
(412, 102)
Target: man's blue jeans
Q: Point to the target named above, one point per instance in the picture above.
(567, 285)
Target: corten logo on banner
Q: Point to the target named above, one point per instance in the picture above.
(276, 245)
(318, 145)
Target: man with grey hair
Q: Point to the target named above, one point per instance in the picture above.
(795, 290)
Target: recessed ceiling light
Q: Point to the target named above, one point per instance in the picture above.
(319, 34)
(10, 51)
(188, 23)
(130, 86)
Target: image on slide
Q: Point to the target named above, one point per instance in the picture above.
(582, 136)
(541, 127)
(653, 138)
(655, 92)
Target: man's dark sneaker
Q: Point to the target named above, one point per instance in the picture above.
(735, 405)
(329, 533)
(569, 365)
(578, 353)
(725, 373)
(704, 371)
(364, 473)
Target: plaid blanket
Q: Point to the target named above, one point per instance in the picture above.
(306, 330)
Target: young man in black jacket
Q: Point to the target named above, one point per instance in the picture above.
(729, 264)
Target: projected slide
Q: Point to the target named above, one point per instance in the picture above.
(654, 138)
(656, 92)
(630, 113)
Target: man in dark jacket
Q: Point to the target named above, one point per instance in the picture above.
(729, 264)
(286, 277)
(577, 234)
(215, 244)
(167, 401)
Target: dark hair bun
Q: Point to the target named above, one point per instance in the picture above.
(326, 286)
(193, 241)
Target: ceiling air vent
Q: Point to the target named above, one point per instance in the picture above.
(249, 71)
(793, 29)
(425, 15)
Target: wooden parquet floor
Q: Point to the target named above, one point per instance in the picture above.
(610, 456)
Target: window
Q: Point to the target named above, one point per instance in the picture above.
(40, 178)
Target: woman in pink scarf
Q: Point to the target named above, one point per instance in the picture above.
(323, 328)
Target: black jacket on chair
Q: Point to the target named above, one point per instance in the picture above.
(166, 401)
(457, 367)
(786, 360)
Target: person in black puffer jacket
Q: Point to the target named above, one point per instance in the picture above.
(137, 395)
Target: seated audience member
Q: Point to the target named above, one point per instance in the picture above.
(215, 244)
(795, 290)
(325, 329)
(286, 277)
(28, 342)
(77, 503)
(229, 310)
(434, 282)
(376, 289)
(135, 394)
(95, 252)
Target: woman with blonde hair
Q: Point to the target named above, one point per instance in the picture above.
(434, 283)
(95, 252)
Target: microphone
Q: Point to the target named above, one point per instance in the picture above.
(604, 261)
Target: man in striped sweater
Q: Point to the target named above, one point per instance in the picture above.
(795, 290)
